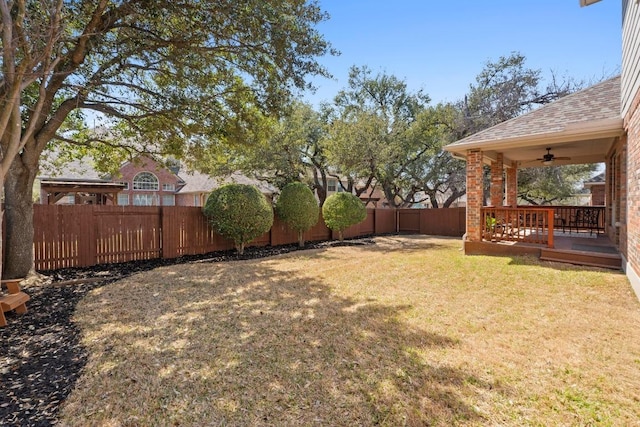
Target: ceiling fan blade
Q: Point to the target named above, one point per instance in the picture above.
(562, 158)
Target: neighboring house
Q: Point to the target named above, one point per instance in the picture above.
(598, 124)
(141, 182)
(371, 199)
(596, 187)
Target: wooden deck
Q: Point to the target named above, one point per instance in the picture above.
(594, 250)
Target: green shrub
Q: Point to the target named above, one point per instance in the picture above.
(298, 208)
(342, 210)
(239, 212)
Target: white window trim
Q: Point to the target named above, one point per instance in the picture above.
(122, 195)
(157, 186)
(173, 196)
(139, 197)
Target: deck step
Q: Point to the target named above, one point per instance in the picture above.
(593, 259)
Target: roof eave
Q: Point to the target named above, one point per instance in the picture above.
(605, 128)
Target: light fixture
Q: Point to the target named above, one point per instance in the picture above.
(548, 162)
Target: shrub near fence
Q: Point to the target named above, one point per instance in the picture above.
(86, 235)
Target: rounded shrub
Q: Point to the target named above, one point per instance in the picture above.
(298, 208)
(342, 210)
(239, 212)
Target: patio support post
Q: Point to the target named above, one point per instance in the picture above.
(497, 181)
(512, 185)
(474, 195)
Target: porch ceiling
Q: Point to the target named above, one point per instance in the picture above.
(526, 152)
(582, 126)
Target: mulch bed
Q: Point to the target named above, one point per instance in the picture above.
(40, 352)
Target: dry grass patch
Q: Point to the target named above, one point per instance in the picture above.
(405, 332)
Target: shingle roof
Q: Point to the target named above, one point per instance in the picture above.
(598, 102)
(74, 170)
(598, 179)
(196, 182)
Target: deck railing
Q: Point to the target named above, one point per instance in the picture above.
(526, 225)
(566, 218)
(536, 224)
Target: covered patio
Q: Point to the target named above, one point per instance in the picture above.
(83, 191)
(584, 127)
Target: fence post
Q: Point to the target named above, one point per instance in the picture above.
(161, 231)
(92, 252)
(375, 211)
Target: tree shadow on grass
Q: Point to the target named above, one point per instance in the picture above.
(249, 344)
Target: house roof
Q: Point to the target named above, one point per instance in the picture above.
(596, 180)
(78, 170)
(194, 182)
(587, 120)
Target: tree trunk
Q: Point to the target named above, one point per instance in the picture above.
(18, 191)
(301, 239)
(453, 197)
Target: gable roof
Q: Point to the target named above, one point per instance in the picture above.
(76, 170)
(196, 182)
(596, 180)
(590, 116)
(190, 181)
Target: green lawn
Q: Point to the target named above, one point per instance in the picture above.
(408, 331)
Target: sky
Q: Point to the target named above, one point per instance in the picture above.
(440, 46)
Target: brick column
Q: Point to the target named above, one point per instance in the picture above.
(512, 185)
(497, 181)
(474, 195)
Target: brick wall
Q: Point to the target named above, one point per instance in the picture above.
(474, 195)
(597, 195)
(632, 181)
(497, 181)
(144, 164)
(512, 186)
(191, 199)
(615, 194)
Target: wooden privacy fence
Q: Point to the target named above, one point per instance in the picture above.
(86, 235)
(438, 222)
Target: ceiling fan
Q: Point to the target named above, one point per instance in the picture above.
(549, 158)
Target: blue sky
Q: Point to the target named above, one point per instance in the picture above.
(440, 46)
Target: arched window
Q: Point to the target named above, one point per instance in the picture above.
(145, 181)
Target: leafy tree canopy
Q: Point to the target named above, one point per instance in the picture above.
(292, 152)
(552, 184)
(377, 131)
(166, 77)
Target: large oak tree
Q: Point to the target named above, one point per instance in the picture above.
(173, 77)
(378, 132)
